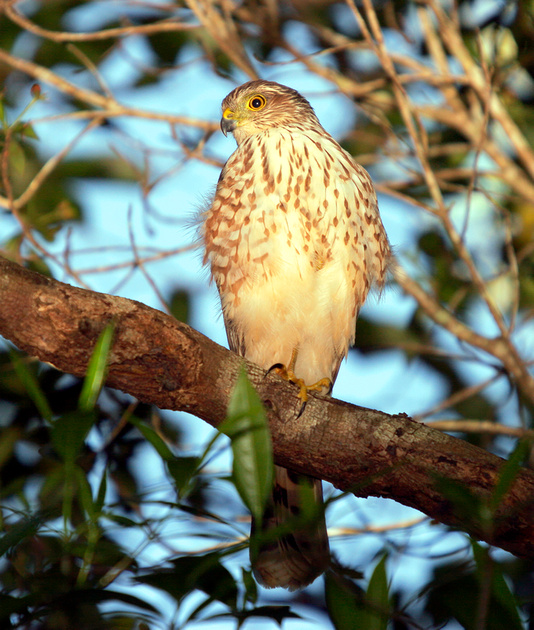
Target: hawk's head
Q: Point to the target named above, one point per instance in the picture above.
(259, 105)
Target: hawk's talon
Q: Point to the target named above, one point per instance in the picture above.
(276, 367)
(301, 410)
(288, 375)
(320, 385)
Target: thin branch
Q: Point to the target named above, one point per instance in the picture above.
(47, 168)
(497, 347)
(480, 426)
(457, 398)
(373, 35)
(169, 25)
(452, 38)
(221, 26)
(93, 98)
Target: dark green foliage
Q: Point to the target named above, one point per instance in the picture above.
(352, 605)
(476, 595)
(94, 485)
(180, 305)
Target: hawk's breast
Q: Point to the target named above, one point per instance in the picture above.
(293, 239)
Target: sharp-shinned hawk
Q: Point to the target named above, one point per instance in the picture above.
(295, 242)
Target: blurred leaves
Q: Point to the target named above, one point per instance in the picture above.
(352, 607)
(77, 461)
(69, 433)
(23, 529)
(201, 572)
(180, 305)
(31, 385)
(182, 469)
(476, 596)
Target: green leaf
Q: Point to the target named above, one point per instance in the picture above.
(182, 470)
(350, 607)
(468, 507)
(344, 602)
(473, 595)
(251, 588)
(31, 385)
(246, 426)
(28, 131)
(13, 606)
(204, 573)
(275, 613)
(180, 306)
(502, 604)
(97, 369)
(9, 438)
(25, 528)
(123, 521)
(101, 495)
(200, 512)
(69, 433)
(17, 158)
(85, 493)
(509, 472)
(378, 610)
(96, 596)
(153, 438)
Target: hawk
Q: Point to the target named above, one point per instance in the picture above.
(294, 241)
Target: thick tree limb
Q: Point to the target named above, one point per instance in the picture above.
(164, 362)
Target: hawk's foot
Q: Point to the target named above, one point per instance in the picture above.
(324, 383)
(288, 375)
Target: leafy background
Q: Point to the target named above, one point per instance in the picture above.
(119, 515)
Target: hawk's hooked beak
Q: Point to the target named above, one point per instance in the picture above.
(228, 122)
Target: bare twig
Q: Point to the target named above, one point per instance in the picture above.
(169, 25)
(93, 98)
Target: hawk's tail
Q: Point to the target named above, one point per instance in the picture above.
(290, 548)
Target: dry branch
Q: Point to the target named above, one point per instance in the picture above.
(94, 99)
(169, 25)
(164, 362)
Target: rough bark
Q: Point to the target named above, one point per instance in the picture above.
(165, 362)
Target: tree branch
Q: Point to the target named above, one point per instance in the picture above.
(108, 105)
(164, 362)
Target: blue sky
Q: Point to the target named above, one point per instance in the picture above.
(384, 381)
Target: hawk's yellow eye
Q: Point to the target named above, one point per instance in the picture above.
(256, 102)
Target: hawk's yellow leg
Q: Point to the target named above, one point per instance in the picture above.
(288, 374)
